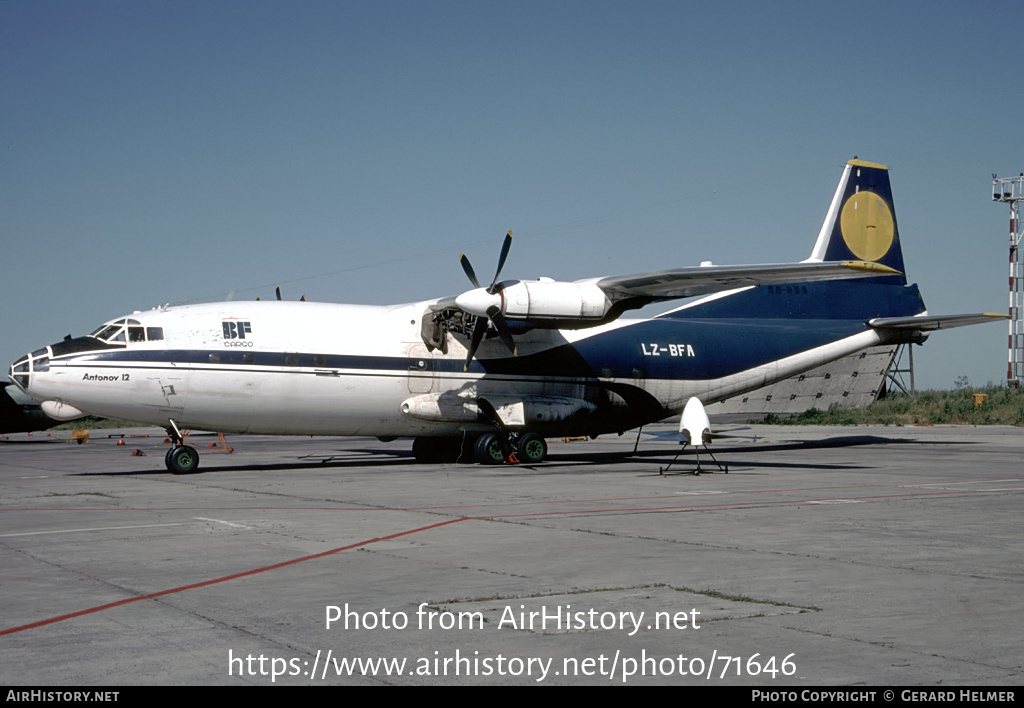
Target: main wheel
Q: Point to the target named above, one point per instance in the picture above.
(532, 449)
(491, 449)
(182, 459)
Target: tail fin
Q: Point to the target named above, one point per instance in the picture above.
(860, 225)
(861, 222)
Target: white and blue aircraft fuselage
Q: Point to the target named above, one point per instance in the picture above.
(492, 372)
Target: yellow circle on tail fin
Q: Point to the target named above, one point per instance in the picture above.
(867, 226)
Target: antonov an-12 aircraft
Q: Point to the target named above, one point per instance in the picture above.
(490, 373)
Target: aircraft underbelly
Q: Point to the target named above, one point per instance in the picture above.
(222, 401)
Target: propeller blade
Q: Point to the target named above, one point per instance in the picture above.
(478, 336)
(502, 326)
(473, 302)
(505, 246)
(277, 289)
(469, 270)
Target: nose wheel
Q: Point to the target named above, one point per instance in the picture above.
(181, 458)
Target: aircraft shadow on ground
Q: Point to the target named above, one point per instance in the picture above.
(580, 461)
(730, 455)
(357, 458)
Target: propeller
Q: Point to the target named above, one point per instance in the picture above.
(486, 303)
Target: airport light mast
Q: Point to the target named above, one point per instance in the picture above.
(1011, 190)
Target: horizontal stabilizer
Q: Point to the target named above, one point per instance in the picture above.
(928, 323)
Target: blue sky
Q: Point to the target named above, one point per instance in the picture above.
(173, 151)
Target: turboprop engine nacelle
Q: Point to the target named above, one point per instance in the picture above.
(545, 298)
(541, 299)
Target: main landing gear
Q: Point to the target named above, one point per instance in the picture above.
(488, 449)
(180, 458)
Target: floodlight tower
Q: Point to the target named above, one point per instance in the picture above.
(1011, 191)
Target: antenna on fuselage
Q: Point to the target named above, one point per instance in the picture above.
(277, 292)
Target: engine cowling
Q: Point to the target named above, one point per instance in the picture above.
(545, 298)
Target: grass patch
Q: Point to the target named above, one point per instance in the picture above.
(1005, 406)
(92, 423)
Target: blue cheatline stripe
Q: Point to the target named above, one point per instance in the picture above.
(662, 348)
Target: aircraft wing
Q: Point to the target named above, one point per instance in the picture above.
(928, 323)
(643, 288)
(703, 280)
(586, 303)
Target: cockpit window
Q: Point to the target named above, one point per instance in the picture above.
(127, 330)
(110, 333)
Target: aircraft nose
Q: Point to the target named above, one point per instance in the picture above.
(24, 368)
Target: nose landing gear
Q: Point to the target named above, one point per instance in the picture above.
(180, 458)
